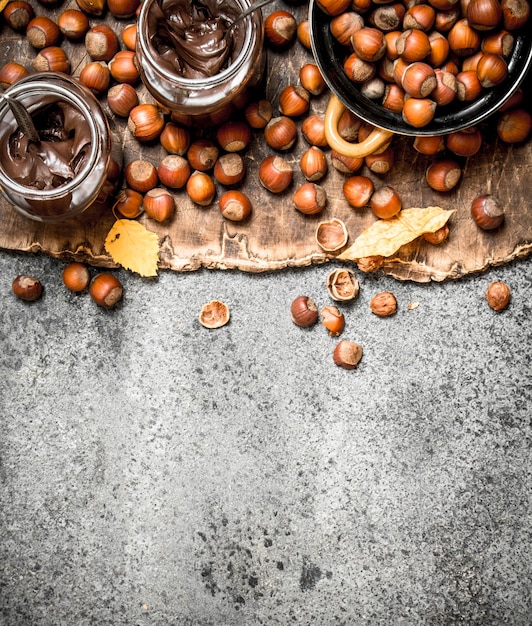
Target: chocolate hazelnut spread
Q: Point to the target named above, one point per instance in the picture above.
(188, 36)
(63, 149)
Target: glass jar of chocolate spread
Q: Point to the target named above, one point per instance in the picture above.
(64, 172)
(188, 64)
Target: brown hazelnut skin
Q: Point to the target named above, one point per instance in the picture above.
(123, 8)
(76, 277)
(234, 136)
(498, 295)
(258, 113)
(383, 304)
(123, 67)
(129, 203)
(174, 171)
(106, 290)
(487, 212)
(294, 100)
(96, 77)
(304, 312)
(347, 354)
(202, 154)
(514, 126)
(51, 59)
(175, 139)
(27, 288)
(313, 164)
(443, 174)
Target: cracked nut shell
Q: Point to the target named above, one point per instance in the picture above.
(342, 285)
(214, 314)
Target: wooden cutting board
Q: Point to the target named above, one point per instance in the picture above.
(277, 236)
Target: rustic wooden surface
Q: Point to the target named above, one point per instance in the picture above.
(277, 236)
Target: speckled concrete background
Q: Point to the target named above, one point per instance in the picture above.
(154, 472)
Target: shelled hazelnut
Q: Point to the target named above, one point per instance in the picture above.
(498, 295)
(27, 288)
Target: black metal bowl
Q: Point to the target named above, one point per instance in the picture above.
(329, 55)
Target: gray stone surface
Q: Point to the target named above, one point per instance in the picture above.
(154, 472)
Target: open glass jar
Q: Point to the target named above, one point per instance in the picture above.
(65, 173)
(196, 98)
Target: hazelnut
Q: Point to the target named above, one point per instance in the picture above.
(342, 285)
(303, 34)
(73, 24)
(18, 14)
(310, 198)
(275, 173)
(347, 354)
(159, 204)
(304, 311)
(229, 169)
(294, 101)
(175, 139)
(280, 28)
(258, 113)
(487, 212)
(174, 171)
(202, 154)
(443, 174)
(333, 320)
(385, 202)
(141, 175)
(344, 26)
(10, 73)
(514, 126)
(123, 8)
(51, 59)
(313, 164)
(129, 36)
(234, 136)
(418, 112)
(106, 290)
(200, 188)
(96, 77)
(383, 304)
(101, 42)
(123, 67)
(280, 133)
(122, 99)
(42, 32)
(334, 7)
(464, 143)
(358, 190)
(145, 122)
(368, 43)
(76, 276)
(27, 288)
(498, 295)
(129, 203)
(313, 130)
(311, 79)
(438, 236)
(92, 7)
(235, 205)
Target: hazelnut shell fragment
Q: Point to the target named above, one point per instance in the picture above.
(342, 285)
(214, 314)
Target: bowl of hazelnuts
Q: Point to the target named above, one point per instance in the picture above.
(419, 67)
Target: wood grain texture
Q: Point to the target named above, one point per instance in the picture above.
(277, 236)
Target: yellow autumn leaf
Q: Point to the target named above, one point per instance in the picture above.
(133, 247)
(3, 4)
(384, 237)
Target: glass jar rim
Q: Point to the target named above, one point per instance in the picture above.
(27, 88)
(210, 81)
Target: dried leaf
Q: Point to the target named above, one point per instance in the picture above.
(384, 237)
(3, 4)
(133, 247)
